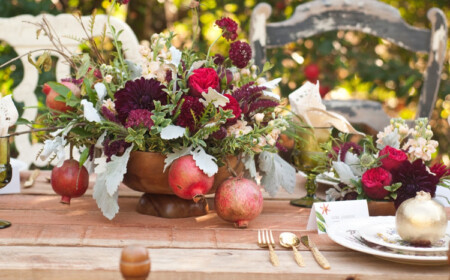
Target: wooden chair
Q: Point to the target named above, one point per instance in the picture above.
(21, 35)
(368, 16)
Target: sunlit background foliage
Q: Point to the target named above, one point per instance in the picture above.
(352, 64)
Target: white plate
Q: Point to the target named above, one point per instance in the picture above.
(386, 235)
(346, 233)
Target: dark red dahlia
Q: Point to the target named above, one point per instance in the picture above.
(229, 28)
(414, 177)
(138, 94)
(140, 117)
(191, 107)
(240, 54)
(234, 106)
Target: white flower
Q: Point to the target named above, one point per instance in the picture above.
(144, 50)
(259, 117)
(238, 129)
(108, 78)
(245, 72)
(270, 140)
(421, 148)
(110, 105)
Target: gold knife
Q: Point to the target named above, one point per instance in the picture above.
(321, 260)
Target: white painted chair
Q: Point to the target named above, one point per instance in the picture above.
(21, 35)
(367, 16)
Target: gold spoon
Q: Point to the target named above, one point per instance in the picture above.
(290, 240)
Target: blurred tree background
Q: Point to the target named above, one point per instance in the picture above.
(348, 64)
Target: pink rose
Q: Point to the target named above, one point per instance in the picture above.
(394, 158)
(202, 79)
(374, 180)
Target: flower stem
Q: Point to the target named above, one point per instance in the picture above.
(215, 41)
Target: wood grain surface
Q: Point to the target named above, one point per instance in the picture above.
(49, 240)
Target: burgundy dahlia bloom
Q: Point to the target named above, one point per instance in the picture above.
(229, 28)
(191, 109)
(240, 54)
(138, 94)
(414, 177)
(140, 117)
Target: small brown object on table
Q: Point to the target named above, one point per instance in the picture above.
(135, 263)
(52, 241)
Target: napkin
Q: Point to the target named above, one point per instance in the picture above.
(8, 114)
(307, 104)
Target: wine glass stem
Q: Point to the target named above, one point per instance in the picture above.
(311, 185)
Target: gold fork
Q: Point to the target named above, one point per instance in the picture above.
(265, 239)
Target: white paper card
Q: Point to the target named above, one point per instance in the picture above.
(323, 214)
(14, 185)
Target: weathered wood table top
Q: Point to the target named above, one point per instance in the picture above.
(49, 240)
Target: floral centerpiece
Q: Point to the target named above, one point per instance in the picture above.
(394, 167)
(176, 103)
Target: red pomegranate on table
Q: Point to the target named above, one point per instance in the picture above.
(238, 200)
(187, 180)
(70, 180)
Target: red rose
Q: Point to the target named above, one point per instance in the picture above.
(202, 79)
(394, 158)
(234, 106)
(374, 180)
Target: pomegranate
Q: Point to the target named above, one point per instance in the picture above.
(59, 105)
(70, 180)
(312, 72)
(187, 180)
(238, 200)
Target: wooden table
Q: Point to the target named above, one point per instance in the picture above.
(49, 240)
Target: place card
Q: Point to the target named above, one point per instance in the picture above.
(14, 185)
(323, 214)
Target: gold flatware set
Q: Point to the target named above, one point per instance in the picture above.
(291, 241)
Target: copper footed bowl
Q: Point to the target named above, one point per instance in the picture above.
(145, 173)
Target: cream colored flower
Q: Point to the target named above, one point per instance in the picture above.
(108, 78)
(144, 50)
(238, 129)
(110, 105)
(259, 117)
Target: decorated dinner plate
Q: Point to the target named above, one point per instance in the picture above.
(386, 235)
(347, 234)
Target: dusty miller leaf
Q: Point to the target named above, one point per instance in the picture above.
(345, 172)
(250, 166)
(276, 172)
(90, 113)
(177, 154)
(107, 184)
(205, 162)
(172, 132)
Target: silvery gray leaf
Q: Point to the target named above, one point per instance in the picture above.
(276, 172)
(135, 70)
(345, 172)
(391, 139)
(250, 166)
